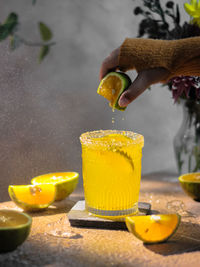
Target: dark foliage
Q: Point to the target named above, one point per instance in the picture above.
(164, 23)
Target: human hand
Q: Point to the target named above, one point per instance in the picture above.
(144, 79)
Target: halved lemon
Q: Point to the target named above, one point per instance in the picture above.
(190, 182)
(112, 86)
(32, 197)
(14, 229)
(65, 182)
(153, 228)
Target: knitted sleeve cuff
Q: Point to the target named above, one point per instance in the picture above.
(174, 55)
(141, 54)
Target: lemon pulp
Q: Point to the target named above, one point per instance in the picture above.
(65, 182)
(14, 229)
(10, 219)
(112, 86)
(30, 197)
(153, 228)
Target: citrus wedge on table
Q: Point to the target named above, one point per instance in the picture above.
(32, 197)
(153, 228)
(14, 229)
(112, 86)
(65, 182)
(190, 182)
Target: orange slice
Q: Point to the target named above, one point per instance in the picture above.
(32, 197)
(153, 228)
(65, 182)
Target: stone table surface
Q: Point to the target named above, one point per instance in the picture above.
(53, 242)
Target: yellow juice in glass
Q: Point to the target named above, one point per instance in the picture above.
(111, 166)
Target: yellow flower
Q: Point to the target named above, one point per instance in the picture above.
(193, 9)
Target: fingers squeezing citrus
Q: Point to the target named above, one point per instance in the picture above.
(112, 86)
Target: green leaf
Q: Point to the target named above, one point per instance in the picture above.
(4, 33)
(11, 21)
(33, 2)
(43, 52)
(45, 32)
(8, 26)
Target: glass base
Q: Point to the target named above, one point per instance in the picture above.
(113, 213)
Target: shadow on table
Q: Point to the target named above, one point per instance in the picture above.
(43, 250)
(187, 239)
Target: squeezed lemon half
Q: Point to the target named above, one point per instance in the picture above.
(112, 86)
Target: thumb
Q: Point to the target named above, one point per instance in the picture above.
(138, 86)
(141, 83)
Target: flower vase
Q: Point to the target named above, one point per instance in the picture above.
(187, 140)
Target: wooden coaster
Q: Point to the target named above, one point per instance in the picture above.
(79, 217)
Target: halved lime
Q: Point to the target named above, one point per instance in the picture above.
(14, 229)
(190, 182)
(65, 182)
(32, 197)
(112, 86)
(153, 228)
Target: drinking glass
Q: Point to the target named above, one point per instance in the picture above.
(111, 168)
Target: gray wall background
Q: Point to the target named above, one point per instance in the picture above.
(44, 108)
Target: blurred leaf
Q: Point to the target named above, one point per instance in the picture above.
(14, 42)
(11, 21)
(8, 26)
(137, 10)
(4, 33)
(170, 4)
(34, 2)
(143, 27)
(177, 14)
(43, 52)
(148, 3)
(45, 32)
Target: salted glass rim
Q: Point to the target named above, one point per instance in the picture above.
(90, 137)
